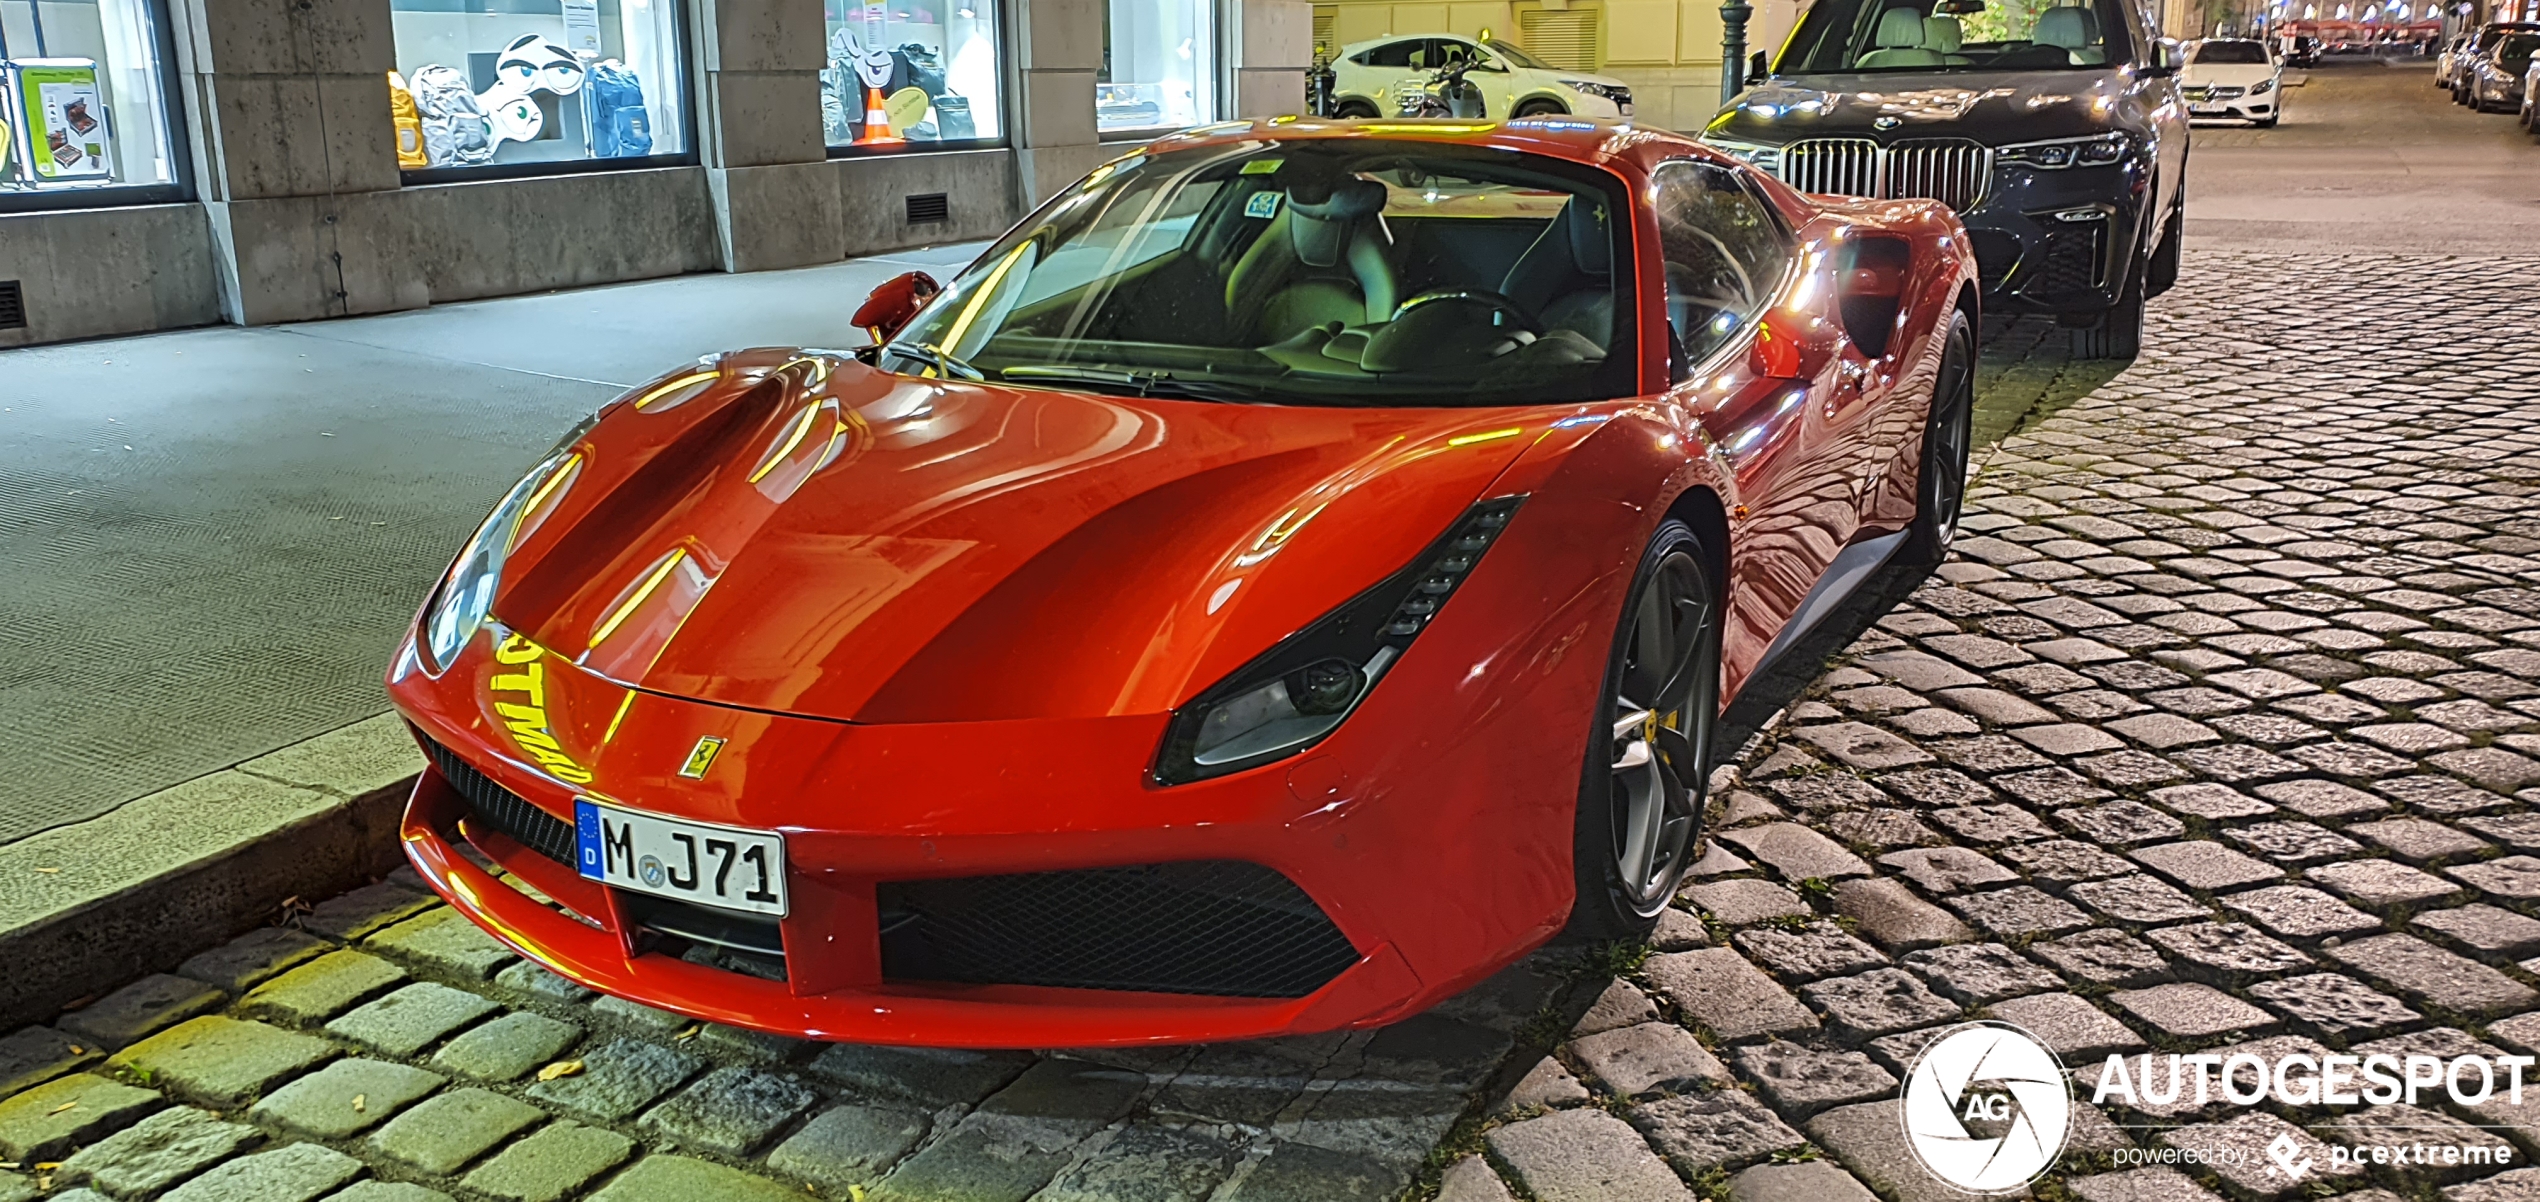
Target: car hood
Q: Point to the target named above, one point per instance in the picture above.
(801, 533)
(2239, 75)
(1996, 108)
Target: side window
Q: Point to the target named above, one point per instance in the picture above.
(1391, 54)
(1725, 251)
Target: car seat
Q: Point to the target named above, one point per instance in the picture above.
(1566, 279)
(1320, 260)
(1900, 42)
(2073, 30)
(1943, 36)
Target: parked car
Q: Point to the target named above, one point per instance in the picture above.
(2057, 134)
(1270, 590)
(2452, 70)
(2493, 80)
(2232, 79)
(1368, 79)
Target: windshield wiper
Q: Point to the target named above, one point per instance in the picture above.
(943, 361)
(1136, 383)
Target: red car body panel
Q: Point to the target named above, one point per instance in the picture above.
(942, 628)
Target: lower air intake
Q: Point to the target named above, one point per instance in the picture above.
(504, 811)
(1221, 928)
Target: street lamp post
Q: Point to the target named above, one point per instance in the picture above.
(1733, 15)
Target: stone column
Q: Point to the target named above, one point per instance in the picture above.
(776, 198)
(1273, 48)
(1058, 50)
(295, 154)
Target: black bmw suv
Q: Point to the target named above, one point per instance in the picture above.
(2054, 129)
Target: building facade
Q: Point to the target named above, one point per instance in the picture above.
(168, 163)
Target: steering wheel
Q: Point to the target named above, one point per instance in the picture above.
(1515, 315)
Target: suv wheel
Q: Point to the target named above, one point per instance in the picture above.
(2161, 272)
(2118, 334)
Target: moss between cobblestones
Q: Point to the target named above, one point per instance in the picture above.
(220, 1061)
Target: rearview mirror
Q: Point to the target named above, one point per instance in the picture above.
(893, 303)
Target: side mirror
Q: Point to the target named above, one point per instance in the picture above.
(1756, 67)
(894, 302)
(2166, 59)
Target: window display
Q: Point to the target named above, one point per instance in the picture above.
(499, 83)
(910, 72)
(82, 102)
(1159, 65)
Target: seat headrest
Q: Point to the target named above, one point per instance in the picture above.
(2068, 28)
(1583, 222)
(1900, 29)
(1943, 34)
(1324, 205)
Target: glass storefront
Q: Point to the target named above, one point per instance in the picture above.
(83, 98)
(905, 73)
(1159, 65)
(514, 83)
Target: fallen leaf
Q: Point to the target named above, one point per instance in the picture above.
(685, 1036)
(50, 871)
(8, 1164)
(47, 1166)
(77, 1050)
(561, 1068)
(361, 1102)
(63, 1107)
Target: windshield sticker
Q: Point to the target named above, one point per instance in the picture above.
(1261, 166)
(1262, 204)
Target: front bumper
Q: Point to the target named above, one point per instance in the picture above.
(1383, 870)
(2057, 241)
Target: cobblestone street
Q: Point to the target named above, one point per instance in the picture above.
(2218, 731)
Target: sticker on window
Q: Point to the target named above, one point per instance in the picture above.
(1261, 166)
(1262, 204)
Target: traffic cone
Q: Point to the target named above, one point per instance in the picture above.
(877, 122)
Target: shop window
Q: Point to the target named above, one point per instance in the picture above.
(84, 104)
(519, 87)
(1159, 65)
(910, 73)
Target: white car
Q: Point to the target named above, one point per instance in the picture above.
(2233, 79)
(1368, 78)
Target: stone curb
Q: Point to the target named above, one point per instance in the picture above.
(89, 906)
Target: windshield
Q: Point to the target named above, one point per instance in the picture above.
(1518, 57)
(1342, 271)
(1962, 36)
(2230, 52)
(2515, 52)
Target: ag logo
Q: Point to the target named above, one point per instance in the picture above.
(1986, 1107)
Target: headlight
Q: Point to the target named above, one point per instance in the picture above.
(1769, 158)
(467, 593)
(1300, 691)
(1604, 91)
(2264, 86)
(2098, 150)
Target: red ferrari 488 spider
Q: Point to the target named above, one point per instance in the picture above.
(1299, 570)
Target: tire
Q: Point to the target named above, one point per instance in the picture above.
(1354, 110)
(1646, 778)
(1940, 492)
(2118, 334)
(1539, 107)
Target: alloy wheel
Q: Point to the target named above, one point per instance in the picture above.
(1664, 705)
(1952, 443)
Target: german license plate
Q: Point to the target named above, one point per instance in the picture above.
(2207, 110)
(720, 866)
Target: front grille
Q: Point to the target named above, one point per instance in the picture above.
(1954, 171)
(503, 810)
(1222, 928)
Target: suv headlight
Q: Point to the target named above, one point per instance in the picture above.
(466, 595)
(1604, 91)
(2097, 150)
(1296, 693)
(1768, 158)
